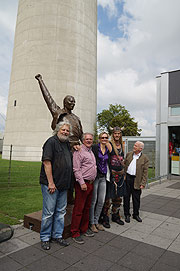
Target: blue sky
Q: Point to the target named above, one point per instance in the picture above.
(108, 24)
(137, 40)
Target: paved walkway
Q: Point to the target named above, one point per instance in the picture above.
(152, 245)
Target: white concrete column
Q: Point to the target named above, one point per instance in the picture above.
(163, 124)
(57, 38)
(158, 117)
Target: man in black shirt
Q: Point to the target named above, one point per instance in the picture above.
(55, 180)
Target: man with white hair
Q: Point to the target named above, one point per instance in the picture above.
(136, 169)
(55, 180)
(84, 167)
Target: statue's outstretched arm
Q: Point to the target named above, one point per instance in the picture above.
(53, 107)
(81, 132)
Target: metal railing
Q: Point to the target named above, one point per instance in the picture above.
(16, 173)
(157, 178)
(26, 173)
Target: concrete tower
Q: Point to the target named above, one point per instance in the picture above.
(58, 39)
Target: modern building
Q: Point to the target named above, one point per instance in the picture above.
(168, 124)
(58, 39)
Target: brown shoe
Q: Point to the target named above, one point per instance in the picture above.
(93, 228)
(99, 227)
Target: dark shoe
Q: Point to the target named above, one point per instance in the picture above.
(118, 221)
(60, 241)
(89, 233)
(105, 222)
(45, 245)
(78, 240)
(106, 225)
(116, 218)
(137, 218)
(127, 219)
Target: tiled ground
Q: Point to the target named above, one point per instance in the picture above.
(161, 205)
(152, 245)
(105, 251)
(175, 185)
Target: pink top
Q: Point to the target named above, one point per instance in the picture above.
(84, 165)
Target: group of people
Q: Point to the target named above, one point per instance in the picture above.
(101, 177)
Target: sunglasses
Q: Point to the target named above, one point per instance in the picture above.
(104, 137)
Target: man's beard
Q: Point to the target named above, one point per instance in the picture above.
(63, 138)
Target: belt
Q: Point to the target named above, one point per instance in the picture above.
(121, 172)
(89, 181)
(133, 176)
(101, 175)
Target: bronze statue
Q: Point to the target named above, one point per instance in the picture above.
(58, 114)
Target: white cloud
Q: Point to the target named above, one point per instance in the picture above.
(8, 13)
(120, 84)
(3, 105)
(120, 87)
(110, 5)
(153, 34)
(127, 67)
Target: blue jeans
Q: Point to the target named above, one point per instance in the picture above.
(54, 210)
(99, 193)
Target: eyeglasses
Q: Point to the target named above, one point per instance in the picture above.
(104, 137)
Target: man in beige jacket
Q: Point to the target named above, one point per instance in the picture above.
(136, 169)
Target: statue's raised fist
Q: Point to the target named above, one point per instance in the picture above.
(38, 76)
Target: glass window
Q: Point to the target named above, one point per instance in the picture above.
(175, 111)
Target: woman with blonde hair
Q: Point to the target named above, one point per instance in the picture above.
(101, 152)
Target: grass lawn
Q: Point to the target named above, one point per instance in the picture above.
(22, 173)
(151, 173)
(22, 194)
(17, 201)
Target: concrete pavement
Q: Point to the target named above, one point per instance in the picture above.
(152, 245)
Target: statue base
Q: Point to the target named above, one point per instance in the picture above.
(33, 221)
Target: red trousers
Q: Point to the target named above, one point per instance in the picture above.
(82, 204)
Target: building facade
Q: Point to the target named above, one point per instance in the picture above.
(58, 39)
(168, 124)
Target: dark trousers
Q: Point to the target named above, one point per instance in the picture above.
(82, 204)
(136, 193)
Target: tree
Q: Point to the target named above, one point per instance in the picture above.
(117, 115)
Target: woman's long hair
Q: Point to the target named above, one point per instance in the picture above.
(114, 145)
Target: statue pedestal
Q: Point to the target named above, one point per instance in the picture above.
(33, 221)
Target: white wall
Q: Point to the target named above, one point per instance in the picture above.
(57, 38)
(161, 125)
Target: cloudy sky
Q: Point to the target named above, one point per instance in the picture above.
(137, 40)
